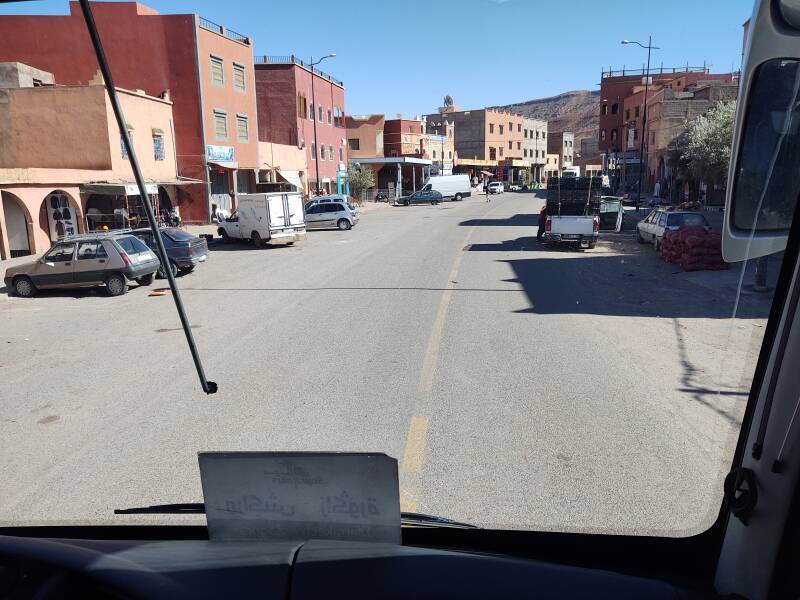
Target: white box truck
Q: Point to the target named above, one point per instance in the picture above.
(275, 218)
(455, 187)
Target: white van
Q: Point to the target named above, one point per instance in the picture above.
(276, 218)
(455, 187)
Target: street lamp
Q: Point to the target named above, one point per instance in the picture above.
(442, 132)
(311, 64)
(648, 47)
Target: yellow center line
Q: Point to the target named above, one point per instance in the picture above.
(417, 437)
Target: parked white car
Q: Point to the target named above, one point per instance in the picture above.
(496, 187)
(651, 229)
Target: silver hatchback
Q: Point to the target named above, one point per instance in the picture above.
(331, 214)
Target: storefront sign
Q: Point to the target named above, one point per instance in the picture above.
(220, 153)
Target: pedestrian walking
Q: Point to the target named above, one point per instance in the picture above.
(486, 189)
(542, 222)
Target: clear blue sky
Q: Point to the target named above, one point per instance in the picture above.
(404, 56)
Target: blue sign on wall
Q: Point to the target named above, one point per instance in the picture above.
(220, 153)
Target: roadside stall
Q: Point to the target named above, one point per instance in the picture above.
(116, 205)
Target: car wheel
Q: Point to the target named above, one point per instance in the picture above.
(592, 245)
(225, 237)
(256, 237)
(406, 203)
(343, 224)
(186, 270)
(23, 287)
(146, 280)
(458, 197)
(162, 274)
(116, 285)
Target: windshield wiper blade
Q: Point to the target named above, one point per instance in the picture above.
(164, 509)
(187, 508)
(423, 520)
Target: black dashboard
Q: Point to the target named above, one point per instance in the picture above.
(70, 568)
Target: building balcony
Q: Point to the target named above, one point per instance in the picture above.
(224, 31)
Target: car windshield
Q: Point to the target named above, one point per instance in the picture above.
(686, 219)
(528, 367)
(178, 235)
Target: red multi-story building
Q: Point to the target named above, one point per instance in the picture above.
(205, 69)
(288, 112)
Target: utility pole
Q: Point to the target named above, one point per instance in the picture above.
(315, 114)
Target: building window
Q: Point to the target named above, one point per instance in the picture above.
(525, 133)
(341, 154)
(613, 135)
(330, 152)
(302, 106)
(501, 130)
(510, 145)
(313, 151)
(492, 153)
(238, 78)
(322, 152)
(434, 154)
(220, 124)
(242, 129)
(501, 151)
(320, 113)
(122, 145)
(614, 108)
(544, 135)
(491, 127)
(525, 153)
(602, 135)
(510, 127)
(330, 120)
(519, 127)
(604, 109)
(519, 145)
(636, 111)
(217, 71)
(450, 155)
(311, 114)
(158, 147)
(354, 144)
(537, 134)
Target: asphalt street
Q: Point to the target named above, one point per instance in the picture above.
(518, 386)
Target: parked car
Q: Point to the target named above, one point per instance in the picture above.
(184, 250)
(651, 228)
(323, 215)
(327, 198)
(514, 188)
(496, 187)
(88, 260)
(421, 197)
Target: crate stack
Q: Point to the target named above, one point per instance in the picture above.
(693, 249)
(574, 196)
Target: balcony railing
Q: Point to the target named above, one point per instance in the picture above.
(228, 33)
(293, 60)
(659, 70)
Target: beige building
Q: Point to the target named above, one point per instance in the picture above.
(552, 167)
(534, 146)
(438, 144)
(63, 169)
(364, 135)
(283, 167)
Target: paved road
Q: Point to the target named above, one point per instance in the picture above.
(519, 387)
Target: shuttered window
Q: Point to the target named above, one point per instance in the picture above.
(238, 78)
(242, 130)
(217, 71)
(220, 125)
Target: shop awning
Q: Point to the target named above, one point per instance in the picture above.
(292, 177)
(118, 189)
(225, 164)
(489, 173)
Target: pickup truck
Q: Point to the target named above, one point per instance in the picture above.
(276, 218)
(573, 211)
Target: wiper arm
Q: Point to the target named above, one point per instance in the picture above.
(412, 519)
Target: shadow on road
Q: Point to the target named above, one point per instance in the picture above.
(518, 220)
(620, 285)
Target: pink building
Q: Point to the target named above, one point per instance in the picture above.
(288, 111)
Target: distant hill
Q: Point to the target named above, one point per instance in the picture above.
(575, 111)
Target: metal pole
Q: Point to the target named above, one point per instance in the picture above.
(314, 108)
(209, 387)
(644, 123)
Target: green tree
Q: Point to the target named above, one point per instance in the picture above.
(361, 179)
(707, 152)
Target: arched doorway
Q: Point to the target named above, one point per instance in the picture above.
(17, 221)
(164, 201)
(59, 215)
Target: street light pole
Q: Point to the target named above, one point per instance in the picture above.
(314, 116)
(649, 47)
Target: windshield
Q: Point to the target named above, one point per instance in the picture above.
(526, 371)
(686, 219)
